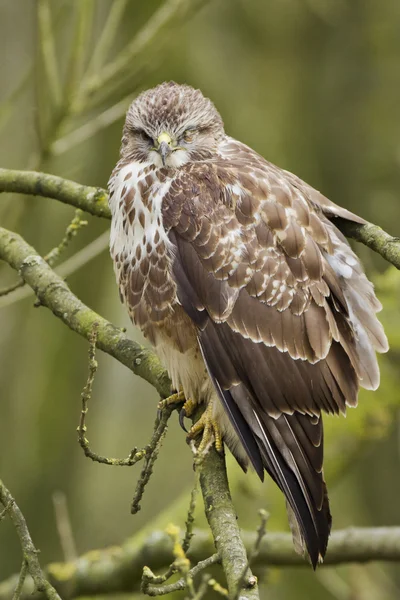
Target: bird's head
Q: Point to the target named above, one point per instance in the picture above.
(171, 125)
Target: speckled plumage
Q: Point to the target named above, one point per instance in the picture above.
(234, 270)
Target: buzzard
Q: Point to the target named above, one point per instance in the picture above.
(235, 271)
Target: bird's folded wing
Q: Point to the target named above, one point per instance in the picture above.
(252, 252)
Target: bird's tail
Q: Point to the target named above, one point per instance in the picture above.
(292, 451)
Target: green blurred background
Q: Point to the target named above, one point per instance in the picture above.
(313, 85)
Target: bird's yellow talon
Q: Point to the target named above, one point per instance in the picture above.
(211, 431)
(189, 407)
(173, 399)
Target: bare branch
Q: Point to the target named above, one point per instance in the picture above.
(140, 51)
(149, 578)
(29, 551)
(64, 528)
(261, 531)
(21, 580)
(151, 454)
(134, 455)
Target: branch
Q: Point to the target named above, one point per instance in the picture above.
(90, 199)
(119, 569)
(374, 237)
(221, 517)
(30, 562)
(94, 201)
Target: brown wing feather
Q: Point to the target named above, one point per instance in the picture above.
(286, 317)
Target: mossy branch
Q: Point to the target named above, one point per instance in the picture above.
(90, 199)
(94, 201)
(119, 569)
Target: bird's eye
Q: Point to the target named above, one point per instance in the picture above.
(188, 136)
(143, 135)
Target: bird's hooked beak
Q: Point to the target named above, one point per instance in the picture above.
(164, 147)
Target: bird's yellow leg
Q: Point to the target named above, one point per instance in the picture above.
(210, 428)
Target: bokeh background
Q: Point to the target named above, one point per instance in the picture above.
(313, 85)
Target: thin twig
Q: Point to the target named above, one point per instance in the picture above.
(151, 454)
(75, 137)
(78, 49)
(65, 269)
(148, 578)
(12, 288)
(76, 224)
(190, 515)
(29, 551)
(21, 580)
(181, 564)
(261, 531)
(54, 255)
(4, 512)
(135, 455)
(128, 63)
(48, 51)
(107, 37)
(63, 523)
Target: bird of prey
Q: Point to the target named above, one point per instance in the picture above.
(254, 301)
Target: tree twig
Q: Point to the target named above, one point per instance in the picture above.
(28, 549)
(151, 454)
(190, 516)
(261, 531)
(128, 63)
(64, 528)
(134, 455)
(21, 580)
(149, 578)
(53, 256)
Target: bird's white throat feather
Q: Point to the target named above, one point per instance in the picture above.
(126, 236)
